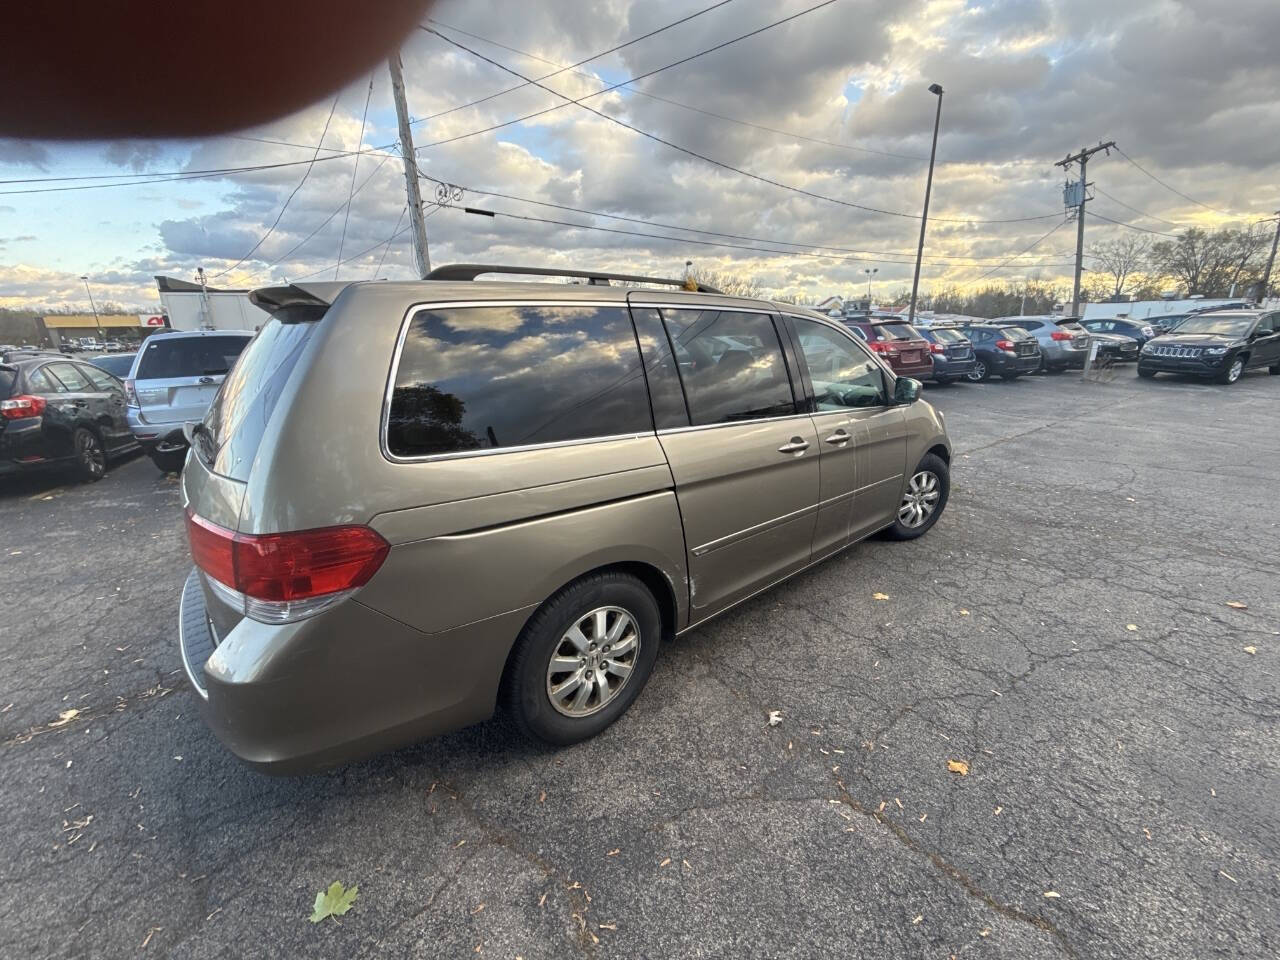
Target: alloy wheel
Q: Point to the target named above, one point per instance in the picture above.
(978, 373)
(1237, 368)
(593, 661)
(920, 499)
(91, 454)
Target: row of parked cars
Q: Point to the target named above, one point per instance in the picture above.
(1218, 344)
(78, 413)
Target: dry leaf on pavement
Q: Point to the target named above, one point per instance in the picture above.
(1052, 894)
(775, 717)
(1131, 626)
(958, 766)
(1251, 650)
(879, 596)
(1237, 605)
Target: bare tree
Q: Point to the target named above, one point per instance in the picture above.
(1120, 260)
(734, 284)
(1212, 263)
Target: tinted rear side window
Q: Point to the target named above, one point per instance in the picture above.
(6, 382)
(731, 365)
(189, 357)
(948, 336)
(480, 378)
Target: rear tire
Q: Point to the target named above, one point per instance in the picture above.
(908, 522)
(565, 629)
(169, 461)
(91, 456)
(979, 373)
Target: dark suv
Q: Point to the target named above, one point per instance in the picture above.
(1004, 350)
(899, 344)
(951, 351)
(1221, 345)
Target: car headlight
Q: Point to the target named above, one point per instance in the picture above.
(1214, 351)
(1148, 347)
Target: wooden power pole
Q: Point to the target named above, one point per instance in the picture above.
(1081, 158)
(422, 258)
(1271, 262)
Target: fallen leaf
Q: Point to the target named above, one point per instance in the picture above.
(918, 919)
(1251, 650)
(964, 612)
(477, 909)
(665, 862)
(899, 803)
(333, 902)
(998, 809)
(881, 810)
(1228, 876)
(542, 797)
(775, 717)
(958, 766)
(984, 932)
(1052, 894)
(1237, 605)
(879, 596)
(66, 716)
(1131, 626)
(608, 926)
(614, 852)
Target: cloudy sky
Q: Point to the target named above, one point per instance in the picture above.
(833, 104)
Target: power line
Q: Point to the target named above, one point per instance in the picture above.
(867, 255)
(686, 240)
(354, 167)
(561, 67)
(306, 173)
(1022, 252)
(399, 220)
(1141, 213)
(693, 153)
(1132, 226)
(1172, 189)
(650, 96)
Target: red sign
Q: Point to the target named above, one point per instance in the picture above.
(146, 321)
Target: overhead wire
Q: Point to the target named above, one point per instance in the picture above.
(1020, 253)
(1141, 213)
(354, 168)
(306, 173)
(399, 220)
(685, 150)
(1172, 189)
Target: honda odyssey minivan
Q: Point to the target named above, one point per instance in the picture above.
(412, 504)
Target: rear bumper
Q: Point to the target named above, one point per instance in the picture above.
(156, 436)
(920, 371)
(349, 682)
(1063, 355)
(1002, 363)
(943, 367)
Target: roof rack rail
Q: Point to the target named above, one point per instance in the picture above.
(469, 271)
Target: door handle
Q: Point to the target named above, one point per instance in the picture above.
(839, 437)
(798, 445)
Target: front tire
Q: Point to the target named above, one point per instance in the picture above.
(583, 658)
(1146, 374)
(923, 500)
(91, 456)
(1234, 371)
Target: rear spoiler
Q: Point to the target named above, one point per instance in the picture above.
(297, 295)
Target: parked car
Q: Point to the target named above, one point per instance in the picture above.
(118, 365)
(1063, 342)
(1221, 345)
(60, 413)
(172, 380)
(951, 351)
(1004, 350)
(898, 343)
(14, 354)
(412, 503)
(1139, 330)
(1115, 347)
(113, 346)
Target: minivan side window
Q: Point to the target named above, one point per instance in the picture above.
(731, 365)
(481, 378)
(842, 373)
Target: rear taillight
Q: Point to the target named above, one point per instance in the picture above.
(280, 577)
(880, 347)
(21, 407)
(937, 348)
(1061, 335)
(1004, 344)
(131, 394)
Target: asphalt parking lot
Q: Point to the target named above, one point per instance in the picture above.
(1064, 632)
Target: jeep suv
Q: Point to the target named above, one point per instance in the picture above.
(413, 503)
(1221, 345)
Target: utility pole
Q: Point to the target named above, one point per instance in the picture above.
(97, 322)
(421, 257)
(1081, 158)
(1271, 262)
(936, 90)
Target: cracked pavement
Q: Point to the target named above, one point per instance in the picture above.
(1132, 773)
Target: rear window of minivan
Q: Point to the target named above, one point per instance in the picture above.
(189, 357)
(481, 378)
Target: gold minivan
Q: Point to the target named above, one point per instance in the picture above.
(412, 503)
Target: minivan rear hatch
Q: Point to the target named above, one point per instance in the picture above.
(228, 438)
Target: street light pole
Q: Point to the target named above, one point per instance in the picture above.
(94, 306)
(869, 273)
(936, 90)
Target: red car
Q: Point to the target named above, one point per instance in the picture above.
(898, 343)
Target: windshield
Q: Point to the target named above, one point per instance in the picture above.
(893, 331)
(1219, 326)
(949, 336)
(190, 357)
